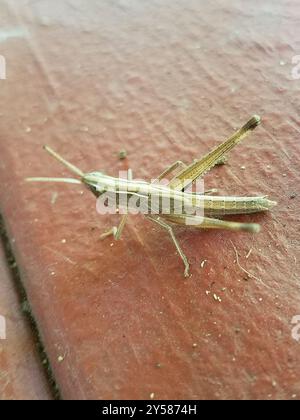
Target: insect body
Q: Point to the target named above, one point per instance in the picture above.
(185, 207)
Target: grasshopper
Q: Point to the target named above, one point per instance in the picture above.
(213, 207)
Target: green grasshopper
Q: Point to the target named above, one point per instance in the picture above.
(212, 207)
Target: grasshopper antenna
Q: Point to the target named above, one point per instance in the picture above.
(69, 165)
(50, 179)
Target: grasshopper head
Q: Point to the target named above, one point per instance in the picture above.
(95, 181)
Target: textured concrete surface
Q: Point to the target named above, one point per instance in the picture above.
(164, 80)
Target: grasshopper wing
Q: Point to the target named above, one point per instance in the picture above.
(201, 166)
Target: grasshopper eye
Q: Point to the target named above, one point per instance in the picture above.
(95, 174)
(95, 182)
(92, 177)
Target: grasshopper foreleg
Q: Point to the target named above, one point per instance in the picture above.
(116, 231)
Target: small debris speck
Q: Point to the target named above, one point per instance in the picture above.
(243, 167)
(122, 154)
(26, 307)
(195, 345)
(222, 161)
(54, 198)
(249, 253)
(293, 195)
(152, 395)
(203, 263)
(28, 129)
(60, 359)
(63, 241)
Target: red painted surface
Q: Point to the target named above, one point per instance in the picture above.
(164, 80)
(21, 374)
